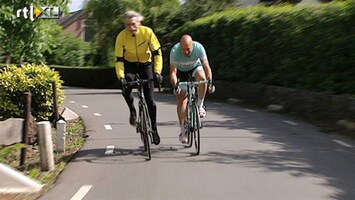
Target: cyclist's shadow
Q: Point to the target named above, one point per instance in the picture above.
(115, 156)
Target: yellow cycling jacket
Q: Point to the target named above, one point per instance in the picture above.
(140, 48)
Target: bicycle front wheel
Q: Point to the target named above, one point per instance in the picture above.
(196, 129)
(145, 129)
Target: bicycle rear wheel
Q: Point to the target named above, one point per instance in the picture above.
(196, 129)
(145, 129)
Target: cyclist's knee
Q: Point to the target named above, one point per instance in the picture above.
(200, 75)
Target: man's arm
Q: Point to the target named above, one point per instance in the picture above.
(119, 57)
(207, 69)
(156, 53)
(173, 77)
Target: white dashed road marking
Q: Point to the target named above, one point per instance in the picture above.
(72, 102)
(84, 106)
(108, 127)
(291, 123)
(80, 194)
(109, 150)
(97, 114)
(343, 143)
(250, 110)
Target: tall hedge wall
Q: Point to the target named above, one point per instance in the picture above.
(94, 77)
(300, 47)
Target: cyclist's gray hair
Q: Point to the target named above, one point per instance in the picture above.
(131, 14)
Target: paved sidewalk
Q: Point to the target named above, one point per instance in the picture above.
(14, 182)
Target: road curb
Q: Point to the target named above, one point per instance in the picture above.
(68, 114)
(29, 185)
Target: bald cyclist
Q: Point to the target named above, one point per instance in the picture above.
(188, 57)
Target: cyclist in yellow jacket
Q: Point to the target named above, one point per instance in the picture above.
(136, 49)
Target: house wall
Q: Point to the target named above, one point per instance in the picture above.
(77, 28)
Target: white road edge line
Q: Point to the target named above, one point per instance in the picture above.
(80, 194)
(97, 114)
(109, 150)
(291, 123)
(108, 127)
(343, 143)
(84, 106)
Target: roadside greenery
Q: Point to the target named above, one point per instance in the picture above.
(298, 47)
(68, 50)
(23, 40)
(163, 16)
(36, 79)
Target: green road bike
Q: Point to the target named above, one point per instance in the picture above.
(194, 123)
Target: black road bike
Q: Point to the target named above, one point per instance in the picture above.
(143, 123)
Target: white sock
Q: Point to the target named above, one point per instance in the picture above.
(200, 103)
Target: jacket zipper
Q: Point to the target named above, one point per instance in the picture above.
(135, 40)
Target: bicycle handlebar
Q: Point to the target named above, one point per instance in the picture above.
(194, 82)
(137, 82)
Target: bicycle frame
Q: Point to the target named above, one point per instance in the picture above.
(143, 124)
(193, 116)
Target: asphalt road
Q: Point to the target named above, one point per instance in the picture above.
(245, 154)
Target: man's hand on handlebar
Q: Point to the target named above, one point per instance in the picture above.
(211, 87)
(122, 82)
(177, 89)
(159, 78)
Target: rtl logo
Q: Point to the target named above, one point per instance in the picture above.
(32, 13)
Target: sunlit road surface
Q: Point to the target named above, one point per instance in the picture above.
(245, 154)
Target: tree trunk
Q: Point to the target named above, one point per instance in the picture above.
(8, 59)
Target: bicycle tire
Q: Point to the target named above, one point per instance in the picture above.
(190, 127)
(196, 129)
(145, 128)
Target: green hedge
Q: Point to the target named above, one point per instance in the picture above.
(92, 77)
(294, 46)
(37, 79)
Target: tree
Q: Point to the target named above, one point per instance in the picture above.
(23, 40)
(194, 9)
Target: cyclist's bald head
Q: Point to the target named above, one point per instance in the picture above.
(186, 44)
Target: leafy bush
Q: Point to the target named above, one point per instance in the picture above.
(36, 79)
(68, 51)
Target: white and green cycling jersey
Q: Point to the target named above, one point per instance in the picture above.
(187, 63)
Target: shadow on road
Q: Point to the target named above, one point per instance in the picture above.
(302, 149)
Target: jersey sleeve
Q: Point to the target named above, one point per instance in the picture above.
(172, 59)
(119, 56)
(203, 55)
(155, 48)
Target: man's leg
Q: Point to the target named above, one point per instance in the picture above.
(127, 94)
(182, 107)
(200, 76)
(182, 114)
(148, 90)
